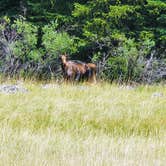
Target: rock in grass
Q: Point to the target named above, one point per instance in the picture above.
(49, 86)
(127, 87)
(157, 94)
(10, 89)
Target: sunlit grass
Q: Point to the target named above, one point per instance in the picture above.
(67, 125)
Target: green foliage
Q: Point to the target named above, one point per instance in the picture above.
(118, 68)
(101, 30)
(27, 39)
(9, 7)
(80, 10)
(56, 42)
(123, 65)
(119, 13)
(36, 55)
(94, 29)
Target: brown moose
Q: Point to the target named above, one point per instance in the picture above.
(75, 70)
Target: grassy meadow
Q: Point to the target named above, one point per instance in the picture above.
(83, 125)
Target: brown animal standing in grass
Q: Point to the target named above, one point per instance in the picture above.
(72, 70)
(75, 70)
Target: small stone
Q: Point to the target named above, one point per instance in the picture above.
(127, 87)
(10, 89)
(157, 94)
(48, 86)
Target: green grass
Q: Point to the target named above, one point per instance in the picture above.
(83, 125)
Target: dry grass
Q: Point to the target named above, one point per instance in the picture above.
(83, 125)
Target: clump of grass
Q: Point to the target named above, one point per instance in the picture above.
(83, 125)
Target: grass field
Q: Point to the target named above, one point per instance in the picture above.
(83, 125)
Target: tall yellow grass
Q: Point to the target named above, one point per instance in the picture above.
(82, 125)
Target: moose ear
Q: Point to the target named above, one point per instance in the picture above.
(66, 55)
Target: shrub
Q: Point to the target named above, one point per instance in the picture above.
(56, 42)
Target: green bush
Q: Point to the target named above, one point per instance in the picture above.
(26, 41)
(56, 42)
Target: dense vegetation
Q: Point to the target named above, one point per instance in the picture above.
(125, 38)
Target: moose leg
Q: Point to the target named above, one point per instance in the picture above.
(94, 76)
(78, 76)
(89, 74)
(69, 75)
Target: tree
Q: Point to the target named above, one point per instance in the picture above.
(119, 35)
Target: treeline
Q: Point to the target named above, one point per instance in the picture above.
(125, 38)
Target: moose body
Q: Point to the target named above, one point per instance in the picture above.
(75, 70)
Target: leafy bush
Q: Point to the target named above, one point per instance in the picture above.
(20, 53)
(18, 41)
(56, 42)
